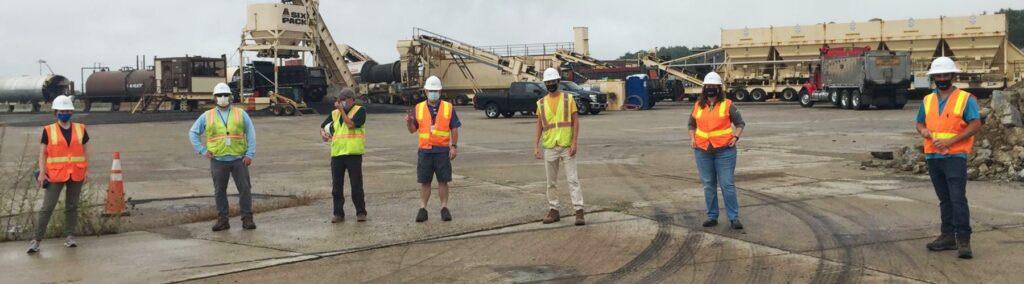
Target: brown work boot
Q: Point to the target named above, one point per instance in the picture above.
(552, 217)
(248, 224)
(579, 218)
(222, 224)
(337, 219)
(943, 242)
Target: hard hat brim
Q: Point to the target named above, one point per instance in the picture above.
(933, 72)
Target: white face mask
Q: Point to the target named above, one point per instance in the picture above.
(223, 101)
(344, 105)
(433, 96)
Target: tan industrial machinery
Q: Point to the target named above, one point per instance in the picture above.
(183, 81)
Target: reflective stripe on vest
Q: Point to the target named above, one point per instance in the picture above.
(713, 130)
(434, 133)
(947, 123)
(556, 125)
(66, 161)
(229, 139)
(346, 141)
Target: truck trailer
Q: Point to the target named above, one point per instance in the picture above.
(858, 78)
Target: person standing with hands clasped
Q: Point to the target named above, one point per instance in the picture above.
(714, 148)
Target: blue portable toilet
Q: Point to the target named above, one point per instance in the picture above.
(637, 92)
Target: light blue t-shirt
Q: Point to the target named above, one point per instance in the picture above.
(971, 113)
(199, 127)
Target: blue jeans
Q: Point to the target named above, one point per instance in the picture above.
(949, 176)
(717, 169)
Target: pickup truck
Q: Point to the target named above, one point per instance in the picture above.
(522, 97)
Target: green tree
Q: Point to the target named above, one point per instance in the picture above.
(671, 52)
(1015, 23)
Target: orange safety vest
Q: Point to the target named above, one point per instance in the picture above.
(434, 133)
(65, 162)
(947, 124)
(714, 128)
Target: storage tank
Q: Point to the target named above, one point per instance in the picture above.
(119, 86)
(33, 88)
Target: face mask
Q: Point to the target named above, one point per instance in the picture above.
(223, 101)
(344, 104)
(64, 117)
(944, 84)
(552, 88)
(711, 92)
(433, 96)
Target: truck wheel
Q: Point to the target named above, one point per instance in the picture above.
(583, 108)
(805, 100)
(833, 96)
(491, 110)
(595, 112)
(789, 94)
(758, 95)
(508, 114)
(857, 100)
(845, 101)
(741, 95)
(289, 110)
(462, 100)
(525, 113)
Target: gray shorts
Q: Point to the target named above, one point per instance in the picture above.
(430, 164)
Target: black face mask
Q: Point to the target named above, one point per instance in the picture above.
(711, 92)
(944, 84)
(552, 88)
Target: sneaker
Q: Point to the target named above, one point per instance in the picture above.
(222, 224)
(943, 242)
(445, 215)
(33, 247)
(579, 218)
(337, 219)
(710, 223)
(963, 247)
(70, 242)
(421, 216)
(552, 217)
(248, 224)
(736, 225)
(360, 217)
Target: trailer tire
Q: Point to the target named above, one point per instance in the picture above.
(741, 95)
(276, 110)
(806, 100)
(844, 97)
(833, 96)
(789, 94)
(491, 110)
(289, 110)
(462, 100)
(758, 95)
(508, 114)
(857, 100)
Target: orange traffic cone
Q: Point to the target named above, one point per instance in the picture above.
(252, 104)
(115, 190)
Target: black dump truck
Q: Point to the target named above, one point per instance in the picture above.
(522, 97)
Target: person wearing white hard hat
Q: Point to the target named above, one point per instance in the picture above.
(715, 126)
(947, 121)
(558, 131)
(230, 146)
(345, 129)
(437, 127)
(62, 164)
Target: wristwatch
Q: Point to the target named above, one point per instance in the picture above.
(456, 146)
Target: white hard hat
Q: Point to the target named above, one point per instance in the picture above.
(62, 103)
(943, 65)
(221, 88)
(551, 74)
(712, 78)
(432, 84)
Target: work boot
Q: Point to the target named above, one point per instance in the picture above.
(70, 242)
(963, 247)
(943, 242)
(360, 217)
(710, 223)
(579, 218)
(248, 224)
(421, 216)
(736, 225)
(33, 247)
(222, 224)
(552, 217)
(337, 219)
(445, 215)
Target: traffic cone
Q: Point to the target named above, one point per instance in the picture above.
(252, 104)
(115, 190)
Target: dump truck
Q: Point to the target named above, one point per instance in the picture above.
(858, 78)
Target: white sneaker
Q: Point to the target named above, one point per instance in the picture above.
(33, 247)
(70, 242)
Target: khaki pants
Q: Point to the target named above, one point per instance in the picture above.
(553, 157)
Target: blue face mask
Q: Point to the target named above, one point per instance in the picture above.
(64, 117)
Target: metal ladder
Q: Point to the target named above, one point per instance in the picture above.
(460, 61)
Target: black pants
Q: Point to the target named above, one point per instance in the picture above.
(353, 164)
(949, 176)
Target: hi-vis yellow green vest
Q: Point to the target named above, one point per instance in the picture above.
(347, 141)
(225, 140)
(556, 123)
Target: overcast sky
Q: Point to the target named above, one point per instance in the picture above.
(72, 34)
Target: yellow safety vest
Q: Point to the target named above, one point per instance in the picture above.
(224, 140)
(556, 124)
(347, 141)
